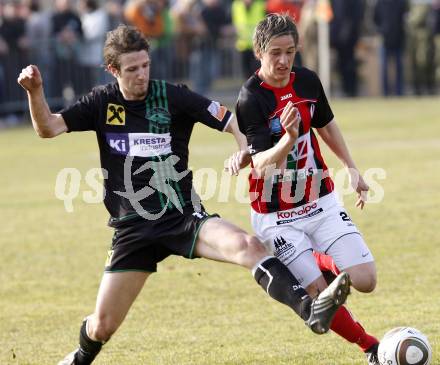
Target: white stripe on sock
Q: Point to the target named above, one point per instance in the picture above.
(270, 277)
(257, 265)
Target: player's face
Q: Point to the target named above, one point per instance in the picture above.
(277, 61)
(134, 75)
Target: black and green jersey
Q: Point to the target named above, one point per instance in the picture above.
(144, 144)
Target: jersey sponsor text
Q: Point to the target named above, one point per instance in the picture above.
(139, 144)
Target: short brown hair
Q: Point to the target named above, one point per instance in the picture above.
(123, 39)
(272, 26)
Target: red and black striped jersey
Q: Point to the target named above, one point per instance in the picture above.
(304, 175)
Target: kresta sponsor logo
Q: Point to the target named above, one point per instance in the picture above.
(148, 141)
(292, 213)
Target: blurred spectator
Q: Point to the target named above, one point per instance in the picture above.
(152, 18)
(95, 24)
(308, 34)
(293, 8)
(245, 16)
(345, 30)
(205, 62)
(437, 41)
(13, 46)
(190, 32)
(389, 16)
(421, 47)
(38, 31)
(146, 15)
(115, 12)
(12, 31)
(3, 51)
(162, 51)
(67, 34)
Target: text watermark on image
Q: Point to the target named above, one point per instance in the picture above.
(208, 182)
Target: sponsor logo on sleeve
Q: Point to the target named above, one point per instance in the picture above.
(115, 114)
(217, 110)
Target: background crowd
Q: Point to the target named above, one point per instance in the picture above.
(377, 46)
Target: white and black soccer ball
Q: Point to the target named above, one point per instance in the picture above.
(404, 346)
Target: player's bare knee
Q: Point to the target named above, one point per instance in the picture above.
(103, 328)
(250, 250)
(365, 282)
(370, 284)
(363, 277)
(255, 248)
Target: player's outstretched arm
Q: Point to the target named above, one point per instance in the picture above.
(332, 136)
(46, 124)
(240, 159)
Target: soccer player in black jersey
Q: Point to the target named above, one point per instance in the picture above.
(143, 129)
(294, 209)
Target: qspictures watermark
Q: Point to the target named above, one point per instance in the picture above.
(209, 183)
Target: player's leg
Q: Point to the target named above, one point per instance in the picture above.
(308, 266)
(222, 241)
(344, 324)
(130, 261)
(351, 254)
(329, 269)
(116, 294)
(326, 264)
(334, 233)
(338, 236)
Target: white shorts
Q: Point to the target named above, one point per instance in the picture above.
(322, 226)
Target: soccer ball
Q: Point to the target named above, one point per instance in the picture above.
(404, 346)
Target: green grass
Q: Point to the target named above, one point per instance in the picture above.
(202, 312)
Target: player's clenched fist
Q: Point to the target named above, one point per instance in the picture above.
(290, 119)
(30, 78)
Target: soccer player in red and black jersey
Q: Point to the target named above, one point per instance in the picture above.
(294, 208)
(143, 129)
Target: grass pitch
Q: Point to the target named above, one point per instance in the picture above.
(202, 312)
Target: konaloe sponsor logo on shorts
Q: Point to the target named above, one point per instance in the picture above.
(293, 213)
(288, 216)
